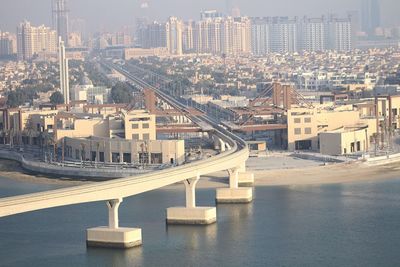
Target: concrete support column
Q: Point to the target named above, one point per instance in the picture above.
(113, 236)
(113, 205)
(234, 194)
(242, 167)
(245, 178)
(190, 187)
(217, 144)
(233, 178)
(222, 145)
(228, 146)
(191, 214)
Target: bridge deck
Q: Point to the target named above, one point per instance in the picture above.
(125, 187)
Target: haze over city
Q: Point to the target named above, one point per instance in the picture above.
(111, 15)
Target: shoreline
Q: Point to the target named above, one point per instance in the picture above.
(339, 173)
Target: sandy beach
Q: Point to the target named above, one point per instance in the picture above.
(13, 170)
(315, 175)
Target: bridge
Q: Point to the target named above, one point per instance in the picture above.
(232, 157)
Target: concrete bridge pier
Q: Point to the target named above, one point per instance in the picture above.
(234, 194)
(245, 178)
(191, 214)
(222, 145)
(219, 144)
(113, 236)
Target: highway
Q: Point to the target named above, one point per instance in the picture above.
(125, 187)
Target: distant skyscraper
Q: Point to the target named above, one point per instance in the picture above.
(78, 26)
(187, 38)
(370, 16)
(210, 14)
(174, 31)
(152, 35)
(7, 44)
(284, 35)
(34, 40)
(260, 36)
(60, 19)
(64, 76)
(341, 34)
(314, 34)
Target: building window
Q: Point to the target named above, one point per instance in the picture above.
(146, 136)
(143, 158)
(77, 154)
(135, 136)
(115, 157)
(307, 120)
(145, 126)
(93, 156)
(156, 158)
(297, 131)
(307, 130)
(101, 156)
(127, 157)
(297, 120)
(135, 126)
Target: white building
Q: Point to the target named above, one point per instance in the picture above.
(64, 76)
(33, 40)
(174, 30)
(93, 95)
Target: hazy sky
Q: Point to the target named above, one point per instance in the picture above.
(113, 14)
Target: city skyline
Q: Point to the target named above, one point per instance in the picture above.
(125, 12)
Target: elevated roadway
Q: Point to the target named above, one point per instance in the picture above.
(234, 153)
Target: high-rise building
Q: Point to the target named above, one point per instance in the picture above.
(121, 39)
(187, 37)
(7, 44)
(210, 14)
(284, 35)
(314, 33)
(341, 34)
(34, 40)
(260, 36)
(64, 76)
(152, 35)
(78, 26)
(60, 19)
(174, 30)
(370, 16)
(201, 36)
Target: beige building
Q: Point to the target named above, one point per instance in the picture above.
(33, 40)
(345, 140)
(120, 137)
(134, 125)
(174, 32)
(306, 124)
(134, 53)
(125, 151)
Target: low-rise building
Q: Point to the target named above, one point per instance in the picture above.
(345, 140)
(108, 150)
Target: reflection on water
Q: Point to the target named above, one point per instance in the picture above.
(114, 257)
(330, 225)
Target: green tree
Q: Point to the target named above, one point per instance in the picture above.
(121, 93)
(16, 98)
(57, 98)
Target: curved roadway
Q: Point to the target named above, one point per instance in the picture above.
(125, 187)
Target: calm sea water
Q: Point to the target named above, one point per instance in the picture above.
(332, 225)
